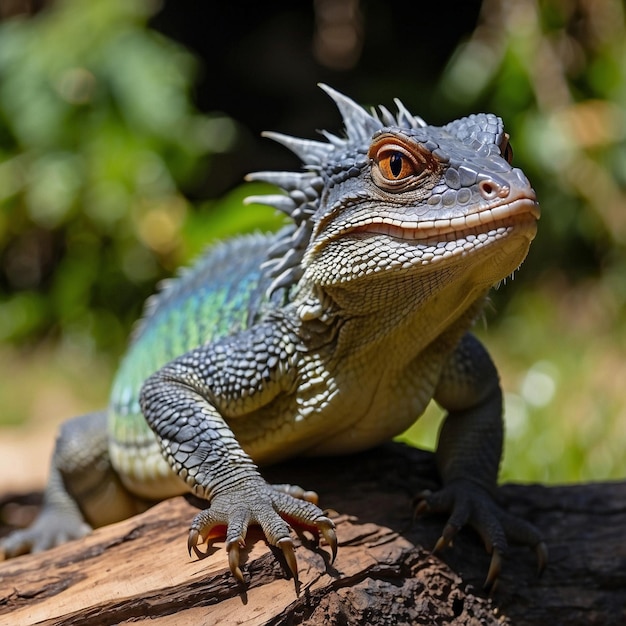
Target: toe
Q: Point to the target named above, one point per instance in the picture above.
(286, 545)
(449, 532)
(326, 527)
(495, 567)
(233, 548)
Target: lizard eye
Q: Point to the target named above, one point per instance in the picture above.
(399, 164)
(395, 163)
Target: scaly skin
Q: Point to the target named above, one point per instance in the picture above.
(330, 336)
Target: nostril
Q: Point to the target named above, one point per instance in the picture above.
(489, 189)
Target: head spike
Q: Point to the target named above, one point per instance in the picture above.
(290, 258)
(286, 180)
(404, 115)
(283, 281)
(358, 122)
(308, 151)
(338, 142)
(386, 116)
(283, 203)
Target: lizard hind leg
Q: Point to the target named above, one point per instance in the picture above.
(82, 492)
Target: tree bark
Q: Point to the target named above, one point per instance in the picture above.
(138, 570)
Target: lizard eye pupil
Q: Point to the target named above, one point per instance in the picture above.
(396, 163)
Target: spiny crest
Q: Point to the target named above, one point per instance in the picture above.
(302, 189)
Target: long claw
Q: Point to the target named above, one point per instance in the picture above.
(446, 538)
(327, 528)
(495, 567)
(192, 542)
(421, 508)
(286, 545)
(542, 557)
(233, 559)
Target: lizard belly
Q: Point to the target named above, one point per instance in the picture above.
(384, 418)
(333, 417)
(375, 404)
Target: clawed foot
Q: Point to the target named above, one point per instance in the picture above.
(272, 508)
(470, 504)
(52, 528)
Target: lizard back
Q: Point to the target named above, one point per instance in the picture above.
(223, 292)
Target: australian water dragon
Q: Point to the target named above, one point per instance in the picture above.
(327, 337)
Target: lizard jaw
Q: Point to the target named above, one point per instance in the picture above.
(521, 212)
(504, 228)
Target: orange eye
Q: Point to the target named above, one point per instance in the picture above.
(400, 164)
(396, 164)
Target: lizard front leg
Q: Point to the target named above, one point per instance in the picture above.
(187, 404)
(468, 457)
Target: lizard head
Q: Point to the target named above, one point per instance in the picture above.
(397, 199)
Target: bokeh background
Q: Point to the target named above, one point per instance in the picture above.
(126, 127)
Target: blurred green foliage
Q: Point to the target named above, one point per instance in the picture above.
(555, 70)
(98, 138)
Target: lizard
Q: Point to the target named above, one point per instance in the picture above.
(327, 337)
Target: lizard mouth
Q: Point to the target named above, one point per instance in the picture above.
(494, 219)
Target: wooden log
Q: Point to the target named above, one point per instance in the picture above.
(138, 571)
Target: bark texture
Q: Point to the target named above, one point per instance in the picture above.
(139, 571)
